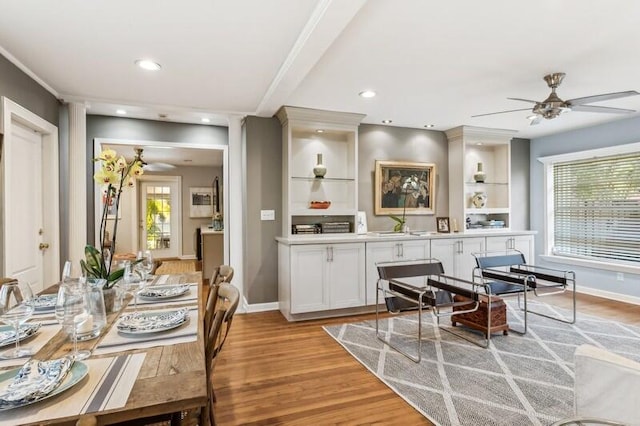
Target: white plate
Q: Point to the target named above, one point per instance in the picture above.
(45, 302)
(158, 292)
(78, 371)
(33, 328)
(152, 321)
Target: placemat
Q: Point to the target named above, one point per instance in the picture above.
(107, 386)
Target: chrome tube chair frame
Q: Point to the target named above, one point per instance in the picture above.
(518, 277)
(423, 296)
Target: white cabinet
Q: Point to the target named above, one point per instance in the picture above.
(324, 276)
(456, 254)
(468, 147)
(308, 134)
(387, 251)
(522, 243)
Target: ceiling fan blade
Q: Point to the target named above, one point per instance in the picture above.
(536, 121)
(523, 100)
(594, 108)
(502, 112)
(603, 97)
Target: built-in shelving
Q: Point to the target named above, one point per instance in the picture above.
(307, 133)
(469, 146)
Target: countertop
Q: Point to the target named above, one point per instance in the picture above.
(375, 236)
(206, 230)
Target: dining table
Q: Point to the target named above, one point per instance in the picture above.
(127, 376)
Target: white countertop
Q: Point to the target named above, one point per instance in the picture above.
(205, 230)
(394, 236)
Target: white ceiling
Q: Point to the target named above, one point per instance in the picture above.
(431, 62)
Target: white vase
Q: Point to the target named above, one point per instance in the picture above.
(479, 199)
(319, 170)
(479, 176)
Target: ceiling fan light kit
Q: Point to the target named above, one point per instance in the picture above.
(554, 106)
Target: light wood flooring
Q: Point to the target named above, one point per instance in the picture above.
(273, 372)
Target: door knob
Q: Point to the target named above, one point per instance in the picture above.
(43, 246)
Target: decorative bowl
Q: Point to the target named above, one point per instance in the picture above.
(319, 204)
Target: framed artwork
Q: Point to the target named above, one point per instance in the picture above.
(442, 224)
(404, 188)
(201, 202)
(111, 208)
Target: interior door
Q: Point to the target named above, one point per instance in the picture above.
(25, 238)
(160, 218)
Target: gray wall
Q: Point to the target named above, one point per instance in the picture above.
(23, 90)
(263, 156)
(520, 184)
(401, 144)
(617, 133)
(99, 126)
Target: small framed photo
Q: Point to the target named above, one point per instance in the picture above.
(201, 202)
(443, 224)
(362, 223)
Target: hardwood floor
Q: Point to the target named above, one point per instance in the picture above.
(273, 372)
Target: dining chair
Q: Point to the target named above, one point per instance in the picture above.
(228, 297)
(507, 273)
(221, 274)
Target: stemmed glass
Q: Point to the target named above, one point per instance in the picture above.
(71, 312)
(146, 264)
(133, 283)
(16, 306)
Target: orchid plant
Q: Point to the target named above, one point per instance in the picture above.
(116, 174)
(409, 186)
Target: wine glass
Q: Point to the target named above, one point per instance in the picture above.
(16, 306)
(146, 264)
(133, 282)
(72, 313)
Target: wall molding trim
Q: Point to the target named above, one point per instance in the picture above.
(259, 307)
(618, 297)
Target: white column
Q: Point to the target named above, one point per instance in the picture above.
(236, 217)
(77, 209)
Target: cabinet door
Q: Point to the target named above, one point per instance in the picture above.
(409, 250)
(385, 251)
(346, 276)
(522, 243)
(308, 278)
(465, 262)
(456, 255)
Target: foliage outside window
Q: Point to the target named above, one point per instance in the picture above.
(597, 209)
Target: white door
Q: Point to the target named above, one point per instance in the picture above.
(161, 218)
(346, 278)
(309, 277)
(25, 239)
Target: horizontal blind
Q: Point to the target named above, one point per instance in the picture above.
(597, 208)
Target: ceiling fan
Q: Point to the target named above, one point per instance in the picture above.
(553, 106)
(153, 167)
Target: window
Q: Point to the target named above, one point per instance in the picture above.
(596, 208)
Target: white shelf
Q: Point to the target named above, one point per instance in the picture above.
(499, 210)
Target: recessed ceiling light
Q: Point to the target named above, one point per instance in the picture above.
(387, 121)
(148, 65)
(206, 120)
(121, 112)
(478, 143)
(367, 93)
(532, 117)
(319, 131)
(428, 126)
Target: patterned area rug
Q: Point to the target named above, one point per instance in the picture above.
(519, 380)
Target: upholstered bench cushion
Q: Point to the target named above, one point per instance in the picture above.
(607, 385)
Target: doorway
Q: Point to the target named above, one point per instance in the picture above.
(160, 216)
(31, 232)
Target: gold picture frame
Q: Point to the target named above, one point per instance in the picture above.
(403, 187)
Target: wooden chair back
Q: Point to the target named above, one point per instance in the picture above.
(228, 298)
(221, 274)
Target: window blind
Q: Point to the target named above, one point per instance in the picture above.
(597, 208)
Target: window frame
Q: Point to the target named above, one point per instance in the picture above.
(548, 196)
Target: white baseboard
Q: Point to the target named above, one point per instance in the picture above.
(188, 257)
(258, 307)
(608, 295)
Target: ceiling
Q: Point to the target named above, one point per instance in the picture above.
(159, 157)
(430, 62)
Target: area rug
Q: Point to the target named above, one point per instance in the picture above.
(519, 380)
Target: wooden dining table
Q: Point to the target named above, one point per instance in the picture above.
(172, 378)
